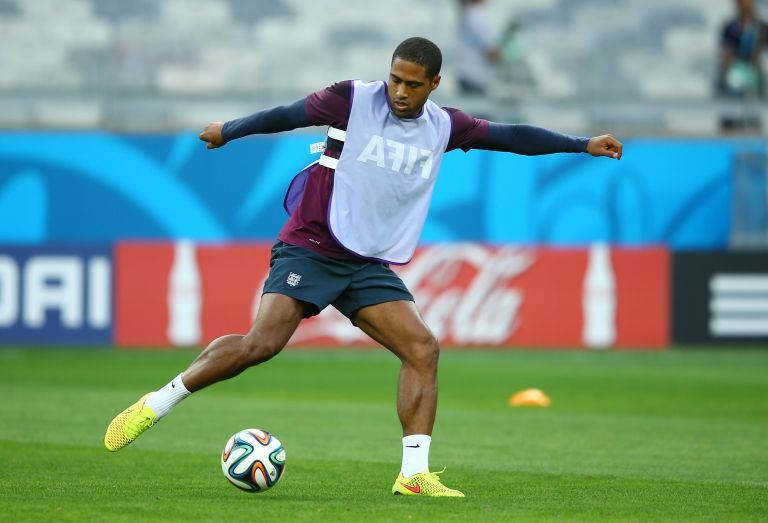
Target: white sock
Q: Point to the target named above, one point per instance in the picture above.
(162, 401)
(415, 454)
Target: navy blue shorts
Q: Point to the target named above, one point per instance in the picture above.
(319, 281)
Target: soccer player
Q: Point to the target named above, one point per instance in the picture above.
(354, 212)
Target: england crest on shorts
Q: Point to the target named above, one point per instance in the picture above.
(293, 279)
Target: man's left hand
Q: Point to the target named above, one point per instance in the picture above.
(605, 145)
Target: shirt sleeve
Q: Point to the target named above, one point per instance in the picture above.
(467, 132)
(330, 106)
(274, 120)
(530, 140)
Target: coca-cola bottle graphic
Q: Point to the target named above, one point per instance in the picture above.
(599, 299)
(184, 296)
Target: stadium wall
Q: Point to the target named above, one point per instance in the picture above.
(58, 187)
(149, 240)
(469, 294)
(164, 294)
(720, 297)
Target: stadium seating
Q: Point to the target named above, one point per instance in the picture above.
(85, 63)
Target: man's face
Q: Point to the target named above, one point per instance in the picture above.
(746, 6)
(409, 87)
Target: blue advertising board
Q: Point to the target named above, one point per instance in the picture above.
(59, 295)
(65, 187)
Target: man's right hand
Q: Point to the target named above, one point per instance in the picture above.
(212, 135)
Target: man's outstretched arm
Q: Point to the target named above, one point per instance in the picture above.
(530, 140)
(275, 120)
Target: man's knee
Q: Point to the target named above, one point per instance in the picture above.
(424, 352)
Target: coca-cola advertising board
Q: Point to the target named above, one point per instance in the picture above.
(469, 294)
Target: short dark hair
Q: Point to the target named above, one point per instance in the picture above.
(420, 51)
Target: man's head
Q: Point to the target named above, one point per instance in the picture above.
(414, 73)
(746, 8)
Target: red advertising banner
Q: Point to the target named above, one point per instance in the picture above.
(469, 294)
(185, 294)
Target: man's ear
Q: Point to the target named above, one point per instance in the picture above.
(435, 82)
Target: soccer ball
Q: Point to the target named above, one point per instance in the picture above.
(253, 460)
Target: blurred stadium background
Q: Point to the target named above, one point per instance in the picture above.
(119, 229)
(101, 102)
(644, 68)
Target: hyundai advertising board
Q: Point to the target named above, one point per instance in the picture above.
(60, 295)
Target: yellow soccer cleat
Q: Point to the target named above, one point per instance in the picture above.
(129, 424)
(424, 484)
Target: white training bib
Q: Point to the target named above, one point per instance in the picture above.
(385, 175)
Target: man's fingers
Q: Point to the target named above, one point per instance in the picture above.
(212, 134)
(612, 147)
(618, 148)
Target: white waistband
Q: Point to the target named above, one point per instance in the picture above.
(327, 161)
(337, 134)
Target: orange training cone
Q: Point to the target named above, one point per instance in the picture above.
(529, 398)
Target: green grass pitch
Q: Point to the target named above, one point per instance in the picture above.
(674, 436)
